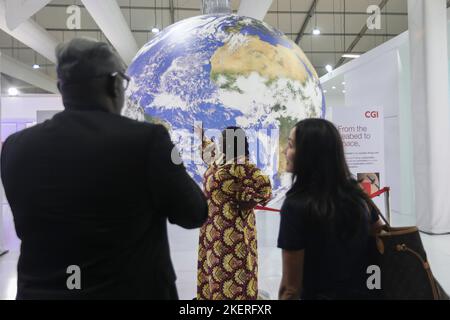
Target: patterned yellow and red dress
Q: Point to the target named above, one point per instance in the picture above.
(228, 256)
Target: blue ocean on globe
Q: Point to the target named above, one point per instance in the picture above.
(220, 71)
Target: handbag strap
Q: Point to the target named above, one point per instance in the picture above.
(373, 206)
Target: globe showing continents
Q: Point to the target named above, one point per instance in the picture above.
(221, 71)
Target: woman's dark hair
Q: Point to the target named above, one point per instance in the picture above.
(331, 197)
(234, 143)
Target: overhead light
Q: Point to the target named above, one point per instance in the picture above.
(351, 56)
(343, 91)
(155, 30)
(13, 91)
(333, 87)
(316, 31)
(329, 68)
(343, 83)
(325, 91)
(36, 66)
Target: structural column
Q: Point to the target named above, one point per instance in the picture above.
(216, 7)
(2, 249)
(254, 9)
(2, 230)
(430, 113)
(109, 17)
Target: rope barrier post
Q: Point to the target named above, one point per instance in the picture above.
(387, 205)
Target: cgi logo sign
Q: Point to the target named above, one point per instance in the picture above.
(372, 115)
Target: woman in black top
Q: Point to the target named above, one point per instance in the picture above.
(325, 219)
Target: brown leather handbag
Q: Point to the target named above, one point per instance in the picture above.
(405, 271)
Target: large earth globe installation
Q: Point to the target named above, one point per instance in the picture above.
(225, 70)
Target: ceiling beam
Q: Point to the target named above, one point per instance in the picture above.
(305, 51)
(32, 35)
(338, 34)
(254, 9)
(26, 73)
(109, 17)
(308, 17)
(359, 36)
(160, 8)
(172, 11)
(20, 11)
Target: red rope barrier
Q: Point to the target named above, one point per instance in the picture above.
(374, 195)
(380, 192)
(266, 209)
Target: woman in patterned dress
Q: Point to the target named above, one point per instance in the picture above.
(228, 256)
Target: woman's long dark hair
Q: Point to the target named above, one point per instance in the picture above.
(332, 198)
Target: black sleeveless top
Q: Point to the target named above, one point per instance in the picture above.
(334, 268)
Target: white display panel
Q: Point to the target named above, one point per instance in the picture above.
(2, 249)
(380, 78)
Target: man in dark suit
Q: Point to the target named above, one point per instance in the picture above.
(91, 191)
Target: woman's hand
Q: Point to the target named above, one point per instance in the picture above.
(207, 148)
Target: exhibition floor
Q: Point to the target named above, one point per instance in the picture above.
(184, 255)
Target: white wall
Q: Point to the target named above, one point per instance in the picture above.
(21, 111)
(380, 89)
(335, 100)
(2, 246)
(26, 106)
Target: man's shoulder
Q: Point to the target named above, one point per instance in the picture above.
(71, 124)
(108, 122)
(138, 125)
(28, 132)
(124, 129)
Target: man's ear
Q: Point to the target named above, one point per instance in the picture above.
(113, 87)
